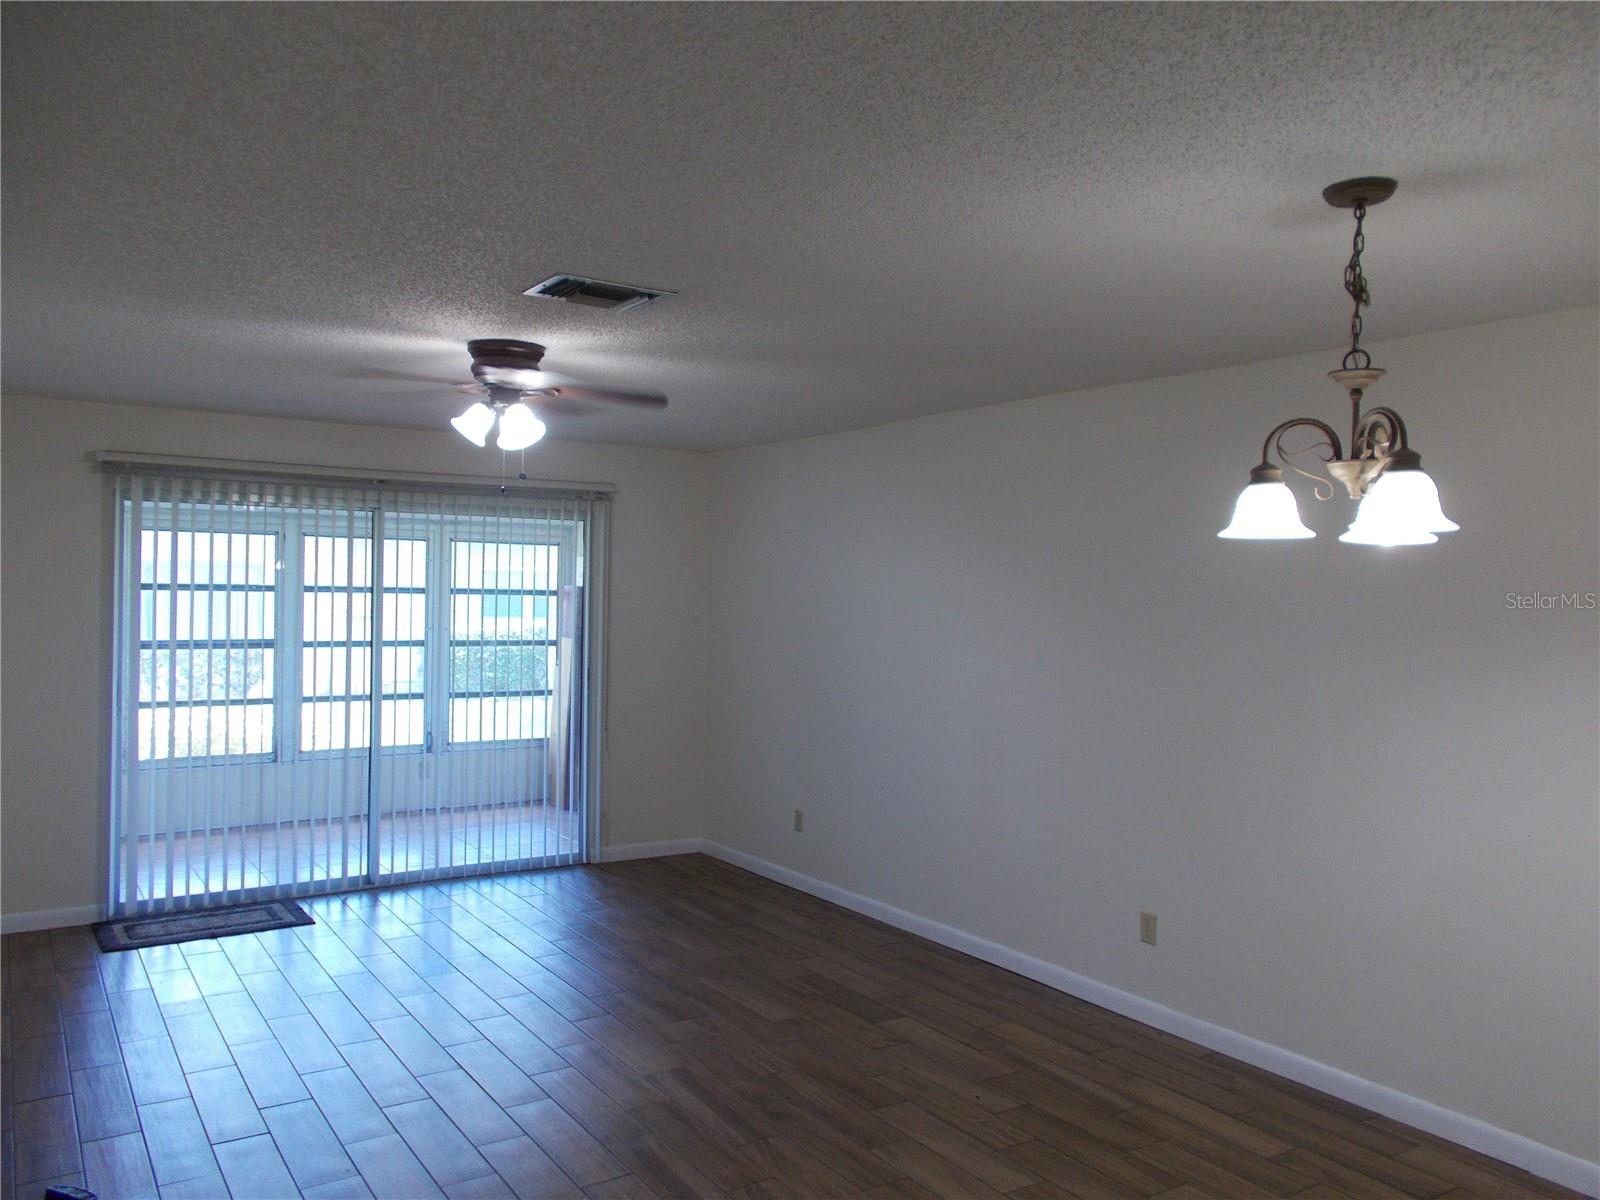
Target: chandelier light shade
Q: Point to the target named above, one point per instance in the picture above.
(1382, 523)
(1400, 509)
(1412, 491)
(1266, 510)
(1398, 501)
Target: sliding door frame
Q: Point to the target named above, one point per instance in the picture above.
(586, 511)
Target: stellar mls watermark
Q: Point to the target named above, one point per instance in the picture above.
(1553, 601)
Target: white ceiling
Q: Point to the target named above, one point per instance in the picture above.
(871, 211)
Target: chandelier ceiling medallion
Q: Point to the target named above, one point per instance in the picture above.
(1399, 504)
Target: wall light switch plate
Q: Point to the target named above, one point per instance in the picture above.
(799, 820)
(1147, 928)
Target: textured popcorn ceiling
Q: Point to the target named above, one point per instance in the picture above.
(870, 211)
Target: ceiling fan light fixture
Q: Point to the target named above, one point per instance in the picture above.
(509, 374)
(519, 428)
(475, 423)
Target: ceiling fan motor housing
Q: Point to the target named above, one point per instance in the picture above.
(510, 369)
(502, 362)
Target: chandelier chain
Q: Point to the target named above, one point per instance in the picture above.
(1355, 283)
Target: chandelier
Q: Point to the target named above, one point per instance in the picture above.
(1398, 502)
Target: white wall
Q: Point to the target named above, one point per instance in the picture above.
(56, 568)
(1019, 687)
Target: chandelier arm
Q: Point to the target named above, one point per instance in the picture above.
(1364, 443)
(1275, 439)
(1324, 488)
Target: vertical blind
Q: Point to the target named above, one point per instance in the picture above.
(319, 686)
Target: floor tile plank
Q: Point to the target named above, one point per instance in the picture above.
(439, 1017)
(268, 1074)
(91, 1040)
(495, 1073)
(154, 1072)
(238, 1019)
(573, 1148)
(441, 1148)
(528, 1171)
(272, 994)
(137, 1016)
(198, 1041)
(226, 1107)
(391, 1169)
(104, 1103)
(179, 1148)
(339, 1018)
(513, 1039)
(352, 1187)
(485, 1187)
(254, 1170)
(413, 1045)
(383, 1075)
(470, 1107)
(347, 1106)
(307, 1143)
(38, 1067)
(206, 1187)
(118, 1168)
(46, 1139)
(304, 1042)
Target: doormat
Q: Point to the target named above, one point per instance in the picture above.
(132, 933)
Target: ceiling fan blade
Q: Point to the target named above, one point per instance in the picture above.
(597, 395)
(379, 376)
(549, 404)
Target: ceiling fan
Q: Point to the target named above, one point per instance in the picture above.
(513, 384)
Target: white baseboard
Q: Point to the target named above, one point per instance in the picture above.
(652, 849)
(50, 918)
(1547, 1162)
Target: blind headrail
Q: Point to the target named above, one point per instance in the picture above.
(134, 463)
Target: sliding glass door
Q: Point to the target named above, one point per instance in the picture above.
(320, 688)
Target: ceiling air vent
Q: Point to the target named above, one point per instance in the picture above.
(596, 293)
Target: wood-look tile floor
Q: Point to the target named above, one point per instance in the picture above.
(671, 1027)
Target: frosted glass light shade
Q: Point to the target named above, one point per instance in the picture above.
(1412, 491)
(1382, 521)
(519, 428)
(1266, 512)
(1400, 509)
(1375, 527)
(475, 423)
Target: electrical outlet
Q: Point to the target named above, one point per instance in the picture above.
(799, 820)
(1147, 928)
